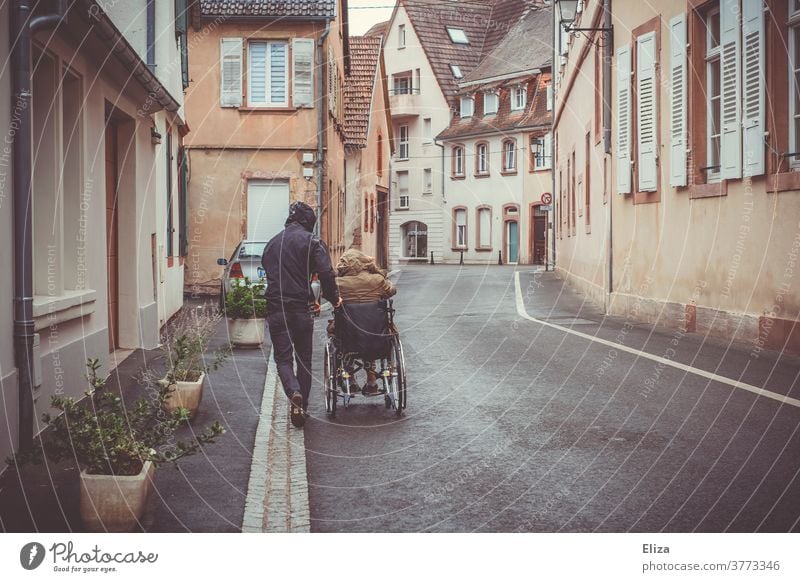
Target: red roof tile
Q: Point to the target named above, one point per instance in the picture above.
(269, 8)
(365, 55)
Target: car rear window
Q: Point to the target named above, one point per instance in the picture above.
(248, 250)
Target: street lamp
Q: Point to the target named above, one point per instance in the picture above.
(567, 12)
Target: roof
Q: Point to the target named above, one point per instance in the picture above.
(534, 116)
(379, 29)
(527, 46)
(269, 8)
(365, 52)
(485, 24)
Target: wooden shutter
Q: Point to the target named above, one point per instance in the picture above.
(230, 93)
(303, 72)
(646, 103)
(731, 139)
(678, 103)
(753, 82)
(624, 120)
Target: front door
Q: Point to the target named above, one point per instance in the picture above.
(112, 235)
(512, 242)
(267, 208)
(539, 221)
(383, 229)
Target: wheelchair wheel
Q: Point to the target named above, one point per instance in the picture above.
(329, 380)
(401, 373)
(397, 381)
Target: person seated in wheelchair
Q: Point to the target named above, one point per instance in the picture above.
(361, 281)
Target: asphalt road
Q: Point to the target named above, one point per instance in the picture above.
(515, 426)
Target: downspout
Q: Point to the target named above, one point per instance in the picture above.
(24, 331)
(607, 51)
(441, 145)
(321, 134)
(151, 35)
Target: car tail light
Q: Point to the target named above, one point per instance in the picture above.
(236, 271)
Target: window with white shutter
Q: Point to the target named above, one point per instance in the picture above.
(623, 120)
(230, 91)
(731, 127)
(303, 72)
(646, 103)
(678, 68)
(753, 82)
(267, 74)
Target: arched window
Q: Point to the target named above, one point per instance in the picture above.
(460, 227)
(458, 161)
(509, 156)
(415, 240)
(483, 224)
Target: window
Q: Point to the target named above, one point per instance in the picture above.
(458, 161)
(402, 189)
(427, 181)
(457, 35)
(572, 170)
(714, 97)
(541, 152)
(794, 85)
(426, 130)
(456, 71)
(380, 154)
(519, 98)
(490, 103)
(482, 158)
(403, 84)
(460, 223)
(587, 180)
(484, 224)
(509, 156)
(267, 74)
(415, 237)
(366, 213)
(404, 145)
(467, 107)
(549, 86)
(401, 36)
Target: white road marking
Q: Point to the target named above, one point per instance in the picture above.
(639, 353)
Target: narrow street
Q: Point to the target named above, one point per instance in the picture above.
(513, 425)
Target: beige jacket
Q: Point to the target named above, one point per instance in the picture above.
(360, 280)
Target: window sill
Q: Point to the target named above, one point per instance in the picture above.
(402, 208)
(538, 170)
(508, 173)
(482, 175)
(427, 192)
(459, 249)
(783, 182)
(69, 305)
(279, 109)
(458, 177)
(483, 249)
(711, 190)
(402, 159)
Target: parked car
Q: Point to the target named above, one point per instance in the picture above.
(245, 263)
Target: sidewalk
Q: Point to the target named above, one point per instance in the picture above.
(207, 492)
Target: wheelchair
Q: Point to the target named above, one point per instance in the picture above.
(365, 339)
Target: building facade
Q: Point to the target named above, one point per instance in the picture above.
(689, 213)
(266, 104)
(368, 147)
(496, 151)
(106, 133)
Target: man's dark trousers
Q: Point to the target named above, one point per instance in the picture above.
(292, 334)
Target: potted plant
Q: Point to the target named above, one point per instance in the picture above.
(185, 344)
(117, 446)
(246, 309)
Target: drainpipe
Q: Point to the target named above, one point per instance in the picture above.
(24, 332)
(151, 35)
(441, 145)
(321, 136)
(607, 51)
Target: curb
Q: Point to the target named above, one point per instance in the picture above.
(277, 493)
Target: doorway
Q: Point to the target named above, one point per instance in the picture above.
(112, 233)
(383, 228)
(539, 221)
(512, 242)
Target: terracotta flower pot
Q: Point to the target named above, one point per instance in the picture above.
(114, 503)
(246, 332)
(185, 395)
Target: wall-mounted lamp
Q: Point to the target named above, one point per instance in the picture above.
(567, 10)
(155, 137)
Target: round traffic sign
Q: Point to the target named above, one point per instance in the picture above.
(547, 198)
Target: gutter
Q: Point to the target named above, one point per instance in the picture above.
(441, 145)
(23, 27)
(321, 134)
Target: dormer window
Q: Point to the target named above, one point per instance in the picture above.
(457, 35)
(490, 103)
(456, 71)
(467, 106)
(519, 98)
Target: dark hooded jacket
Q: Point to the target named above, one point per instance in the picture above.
(291, 258)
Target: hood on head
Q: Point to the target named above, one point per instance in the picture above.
(302, 214)
(353, 262)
